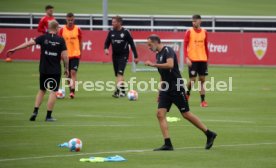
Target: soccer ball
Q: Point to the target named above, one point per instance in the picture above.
(132, 95)
(60, 93)
(75, 145)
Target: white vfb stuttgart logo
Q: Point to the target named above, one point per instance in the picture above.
(3, 39)
(259, 46)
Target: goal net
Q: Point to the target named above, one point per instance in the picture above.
(144, 54)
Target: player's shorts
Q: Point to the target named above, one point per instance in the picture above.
(74, 64)
(200, 68)
(166, 99)
(119, 64)
(49, 82)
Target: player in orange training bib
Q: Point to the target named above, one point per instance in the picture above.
(73, 39)
(196, 52)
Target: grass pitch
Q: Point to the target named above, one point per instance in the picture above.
(244, 120)
(152, 7)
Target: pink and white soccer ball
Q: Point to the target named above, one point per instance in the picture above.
(60, 93)
(75, 145)
(132, 95)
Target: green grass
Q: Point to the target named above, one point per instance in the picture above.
(172, 7)
(244, 116)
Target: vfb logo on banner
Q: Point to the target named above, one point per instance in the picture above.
(3, 40)
(259, 46)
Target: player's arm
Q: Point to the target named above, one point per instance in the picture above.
(64, 58)
(206, 45)
(133, 47)
(107, 44)
(186, 44)
(20, 47)
(168, 65)
(80, 41)
(169, 56)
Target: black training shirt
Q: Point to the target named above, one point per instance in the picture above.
(50, 54)
(169, 75)
(120, 41)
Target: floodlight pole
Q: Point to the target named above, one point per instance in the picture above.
(105, 14)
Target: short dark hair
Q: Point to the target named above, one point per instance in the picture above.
(196, 17)
(70, 14)
(49, 7)
(154, 38)
(118, 18)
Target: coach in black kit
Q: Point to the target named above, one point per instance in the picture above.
(53, 49)
(120, 39)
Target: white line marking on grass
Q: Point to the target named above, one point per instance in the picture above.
(9, 97)
(10, 113)
(70, 125)
(102, 116)
(230, 121)
(132, 151)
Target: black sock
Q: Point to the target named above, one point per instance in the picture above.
(49, 114)
(168, 142)
(189, 87)
(202, 97)
(122, 88)
(208, 133)
(118, 90)
(35, 110)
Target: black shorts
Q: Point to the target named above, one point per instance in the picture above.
(119, 64)
(200, 68)
(166, 99)
(74, 64)
(49, 82)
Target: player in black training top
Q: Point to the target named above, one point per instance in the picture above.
(120, 39)
(172, 92)
(53, 49)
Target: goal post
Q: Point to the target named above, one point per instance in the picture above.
(144, 54)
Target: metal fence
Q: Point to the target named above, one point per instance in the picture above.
(150, 22)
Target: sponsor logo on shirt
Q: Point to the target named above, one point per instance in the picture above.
(50, 53)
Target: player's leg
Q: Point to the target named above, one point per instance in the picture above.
(161, 116)
(203, 72)
(38, 101)
(120, 85)
(69, 75)
(119, 68)
(120, 75)
(74, 65)
(115, 67)
(52, 97)
(192, 78)
(164, 106)
(179, 99)
(39, 96)
(196, 122)
(73, 74)
(50, 106)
